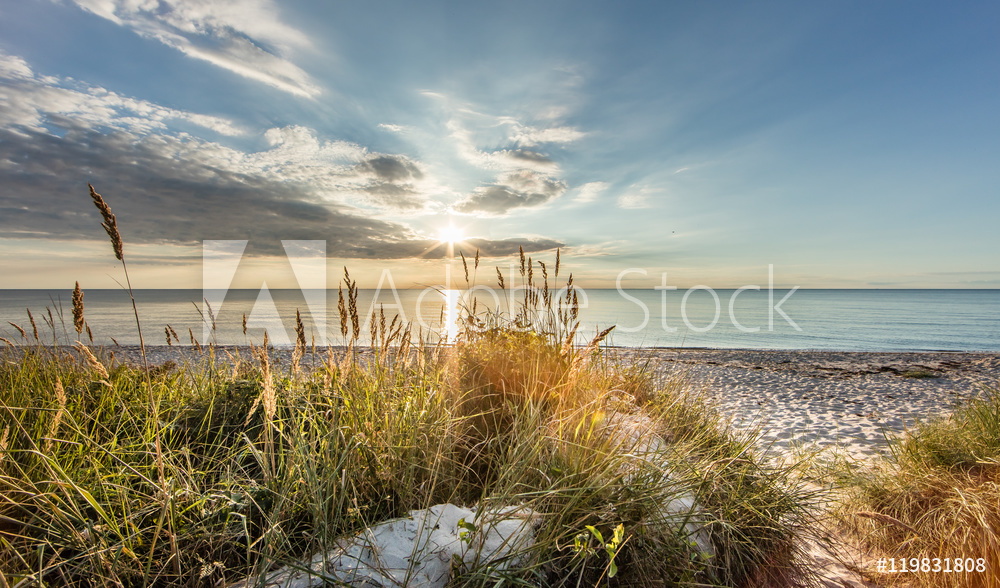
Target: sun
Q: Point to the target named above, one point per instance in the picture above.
(450, 234)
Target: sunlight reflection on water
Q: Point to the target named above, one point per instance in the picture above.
(451, 302)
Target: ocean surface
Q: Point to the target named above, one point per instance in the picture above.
(847, 320)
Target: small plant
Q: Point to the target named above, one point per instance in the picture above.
(581, 545)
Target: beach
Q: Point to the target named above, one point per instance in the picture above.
(828, 399)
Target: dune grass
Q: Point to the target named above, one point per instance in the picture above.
(936, 497)
(266, 463)
(361, 440)
(225, 468)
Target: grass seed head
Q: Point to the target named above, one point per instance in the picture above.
(19, 329)
(78, 309)
(34, 327)
(110, 224)
(91, 360)
(342, 311)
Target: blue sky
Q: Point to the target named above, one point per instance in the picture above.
(849, 144)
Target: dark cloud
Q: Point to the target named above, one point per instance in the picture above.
(530, 156)
(395, 196)
(523, 189)
(391, 184)
(166, 190)
(388, 168)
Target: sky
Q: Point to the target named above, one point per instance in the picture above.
(848, 144)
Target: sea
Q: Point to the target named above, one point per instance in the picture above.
(806, 319)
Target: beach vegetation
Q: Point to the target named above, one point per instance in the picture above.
(225, 463)
(936, 496)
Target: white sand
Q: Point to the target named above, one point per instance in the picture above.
(824, 399)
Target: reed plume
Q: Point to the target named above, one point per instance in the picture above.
(352, 305)
(500, 278)
(92, 361)
(7, 341)
(342, 310)
(54, 427)
(211, 316)
(78, 309)
(268, 397)
(465, 266)
(110, 224)
(300, 331)
(19, 329)
(34, 327)
(300, 343)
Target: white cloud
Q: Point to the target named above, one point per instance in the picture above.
(635, 198)
(246, 37)
(12, 66)
(530, 136)
(392, 128)
(590, 191)
(33, 101)
(324, 171)
(508, 159)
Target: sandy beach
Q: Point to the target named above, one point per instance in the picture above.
(823, 399)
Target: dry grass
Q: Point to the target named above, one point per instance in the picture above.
(937, 497)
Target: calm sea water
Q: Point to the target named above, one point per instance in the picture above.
(854, 320)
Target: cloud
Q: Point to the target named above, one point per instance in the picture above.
(530, 136)
(390, 168)
(391, 128)
(169, 190)
(474, 128)
(590, 191)
(246, 37)
(635, 198)
(522, 189)
(34, 101)
(174, 188)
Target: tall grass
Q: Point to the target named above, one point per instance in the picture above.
(937, 496)
(214, 471)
